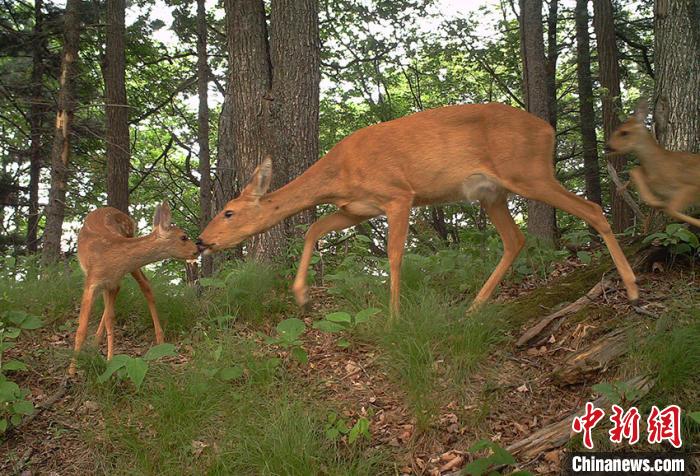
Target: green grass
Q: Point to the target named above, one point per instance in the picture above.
(258, 424)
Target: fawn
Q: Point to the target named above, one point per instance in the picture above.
(666, 179)
(107, 250)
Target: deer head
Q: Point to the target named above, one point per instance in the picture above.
(170, 238)
(241, 217)
(632, 133)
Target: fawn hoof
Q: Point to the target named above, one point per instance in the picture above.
(301, 294)
(72, 369)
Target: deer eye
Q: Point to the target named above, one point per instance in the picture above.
(184, 238)
(228, 213)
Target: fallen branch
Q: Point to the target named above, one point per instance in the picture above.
(534, 335)
(622, 190)
(558, 434)
(596, 358)
(48, 403)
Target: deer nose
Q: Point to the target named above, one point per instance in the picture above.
(200, 245)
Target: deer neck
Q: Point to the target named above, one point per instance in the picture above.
(144, 250)
(648, 151)
(309, 189)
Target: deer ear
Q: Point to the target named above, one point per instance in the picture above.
(162, 217)
(260, 182)
(640, 112)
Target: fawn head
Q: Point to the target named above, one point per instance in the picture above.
(241, 217)
(170, 237)
(631, 133)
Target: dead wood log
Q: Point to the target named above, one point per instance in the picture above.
(558, 434)
(534, 335)
(593, 359)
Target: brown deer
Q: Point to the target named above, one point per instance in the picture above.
(107, 250)
(666, 179)
(455, 153)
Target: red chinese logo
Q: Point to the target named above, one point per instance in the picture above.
(587, 422)
(625, 425)
(665, 425)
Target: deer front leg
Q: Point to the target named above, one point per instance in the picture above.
(100, 332)
(639, 179)
(397, 214)
(83, 321)
(335, 222)
(147, 291)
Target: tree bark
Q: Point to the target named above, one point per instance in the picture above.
(677, 63)
(295, 57)
(552, 57)
(203, 127)
(36, 113)
(60, 154)
(117, 114)
(612, 104)
(586, 112)
(541, 221)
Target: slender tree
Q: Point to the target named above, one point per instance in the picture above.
(541, 218)
(585, 96)
(60, 154)
(117, 114)
(603, 23)
(36, 113)
(203, 127)
(677, 61)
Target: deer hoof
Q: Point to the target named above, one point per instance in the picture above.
(301, 295)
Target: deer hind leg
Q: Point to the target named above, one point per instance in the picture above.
(397, 214)
(147, 291)
(109, 296)
(335, 222)
(513, 242)
(554, 194)
(83, 321)
(100, 332)
(679, 202)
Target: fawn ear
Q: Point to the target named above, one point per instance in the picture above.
(640, 112)
(161, 217)
(260, 182)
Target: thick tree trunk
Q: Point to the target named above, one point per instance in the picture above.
(612, 104)
(36, 113)
(541, 218)
(586, 112)
(250, 82)
(677, 63)
(203, 127)
(60, 155)
(117, 114)
(295, 56)
(552, 57)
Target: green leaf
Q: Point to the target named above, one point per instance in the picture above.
(481, 445)
(300, 354)
(136, 370)
(31, 322)
(231, 373)
(161, 350)
(117, 362)
(3, 425)
(14, 365)
(8, 391)
(585, 257)
(501, 456)
(23, 407)
(16, 419)
(365, 314)
(339, 317)
(343, 343)
(332, 434)
(11, 332)
(331, 418)
(477, 467)
(609, 390)
(290, 329)
(328, 326)
(695, 416)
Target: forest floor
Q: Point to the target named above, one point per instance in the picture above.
(422, 423)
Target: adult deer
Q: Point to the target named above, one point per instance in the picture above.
(107, 250)
(666, 179)
(449, 154)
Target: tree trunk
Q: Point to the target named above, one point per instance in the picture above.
(203, 128)
(677, 63)
(612, 104)
(60, 154)
(117, 114)
(36, 113)
(552, 57)
(586, 113)
(295, 56)
(541, 218)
